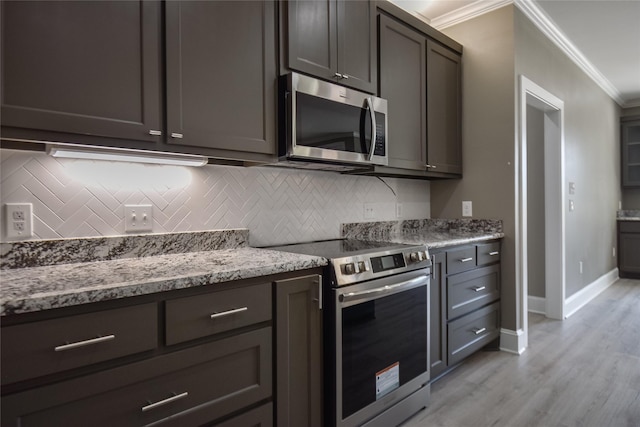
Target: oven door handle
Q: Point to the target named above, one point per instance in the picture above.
(371, 294)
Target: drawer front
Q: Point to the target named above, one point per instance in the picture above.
(40, 348)
(629, 226)
(459, 260)
(201, 315)
(488, 253)
(262, 416)
(188, 387)
(471, 290)
(472, 332)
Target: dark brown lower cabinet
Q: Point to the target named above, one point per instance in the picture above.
(629, 249)
(188, 387)
(465, 303)
(299, 352)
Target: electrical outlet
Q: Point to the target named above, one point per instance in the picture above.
(572, 206)
(138, 218)
(369, 211)
(19, 220)
(581, 265)
(614, 251)
(467, 208)
(398, 210)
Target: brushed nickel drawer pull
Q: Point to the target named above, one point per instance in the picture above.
(466, 259)
(229, 312)
(479, 288)
(176, 135)
(155, 132)
(494, 253)
(73, 345)
(479, 331)
(165, 401)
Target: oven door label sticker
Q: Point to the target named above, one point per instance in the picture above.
(387, 380)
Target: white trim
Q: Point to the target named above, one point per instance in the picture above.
(465, 13)
(549, 29)
(513, 341)
(537, 304)
(581, 298)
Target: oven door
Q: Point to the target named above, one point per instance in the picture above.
(382, 335)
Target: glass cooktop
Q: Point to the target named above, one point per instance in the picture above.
(339, 248)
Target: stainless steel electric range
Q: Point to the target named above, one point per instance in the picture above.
(376, 330)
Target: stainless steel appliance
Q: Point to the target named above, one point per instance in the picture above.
(376, 330)
(330, 124)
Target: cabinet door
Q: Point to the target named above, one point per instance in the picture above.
(444, 94)
(221, 75)
(403, 85)
(630, 132)
(299, 352)
(357, 52)
(312, 39)
(438, 326)
(85, 68)
(629, 254)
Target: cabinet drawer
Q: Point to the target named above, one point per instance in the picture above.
(488, 253)
(40, 348)
(262, 416)
(472, 332)
(472, 289)
(462, 259)
(629, 226)
(188, 387)
(198, 316)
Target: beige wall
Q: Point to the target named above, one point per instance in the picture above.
(498, 47)
(592, 161)
(488, 137)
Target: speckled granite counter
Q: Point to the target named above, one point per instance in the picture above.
(52, 286)
(628, 215)
(435, 233)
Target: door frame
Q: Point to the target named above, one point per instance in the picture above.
(554, 176)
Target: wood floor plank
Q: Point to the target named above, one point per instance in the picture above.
(583, 371)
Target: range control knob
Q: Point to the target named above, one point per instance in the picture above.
(363, 266)
(415, 256)
(349, 268)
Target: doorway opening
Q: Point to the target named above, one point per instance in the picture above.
(540, 233)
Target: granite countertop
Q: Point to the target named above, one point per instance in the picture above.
(628, 215)
(44, 287)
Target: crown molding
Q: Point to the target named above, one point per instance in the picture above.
(470, 11)
(549, 29)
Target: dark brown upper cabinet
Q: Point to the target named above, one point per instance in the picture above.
(444, 121)
(403, 84)
(630, 150)
(87, 68)
(93, 73)
(333, 40)
(221, 75)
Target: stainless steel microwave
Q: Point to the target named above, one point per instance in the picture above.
(325, 122)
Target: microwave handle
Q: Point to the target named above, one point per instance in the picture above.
(374, 135)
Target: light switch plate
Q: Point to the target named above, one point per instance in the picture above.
(138, 218)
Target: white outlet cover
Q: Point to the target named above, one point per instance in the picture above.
(467, 208)
(399, 210)
(369, 211)
(138, 218)
(19, 220)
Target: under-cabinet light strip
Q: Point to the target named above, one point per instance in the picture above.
(124, 155)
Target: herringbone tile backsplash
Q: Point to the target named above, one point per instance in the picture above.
(73, 198)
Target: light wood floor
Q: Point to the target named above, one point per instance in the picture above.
(584, 371)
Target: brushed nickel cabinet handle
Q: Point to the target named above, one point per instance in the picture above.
(494, 253)
(431, 166)
(84, 343)
(466, 259)
(177, 135)
(229, 312)
(345, 76)
(155, 132)
(479, 288)
(164, 401)
(338, 75)
(479, 331)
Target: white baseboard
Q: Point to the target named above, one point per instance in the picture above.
(513, 341)
(578, 300)
(537, 304)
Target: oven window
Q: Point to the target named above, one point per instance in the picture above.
(331, 125)
(384, 345)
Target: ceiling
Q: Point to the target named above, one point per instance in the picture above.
(601, 36)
